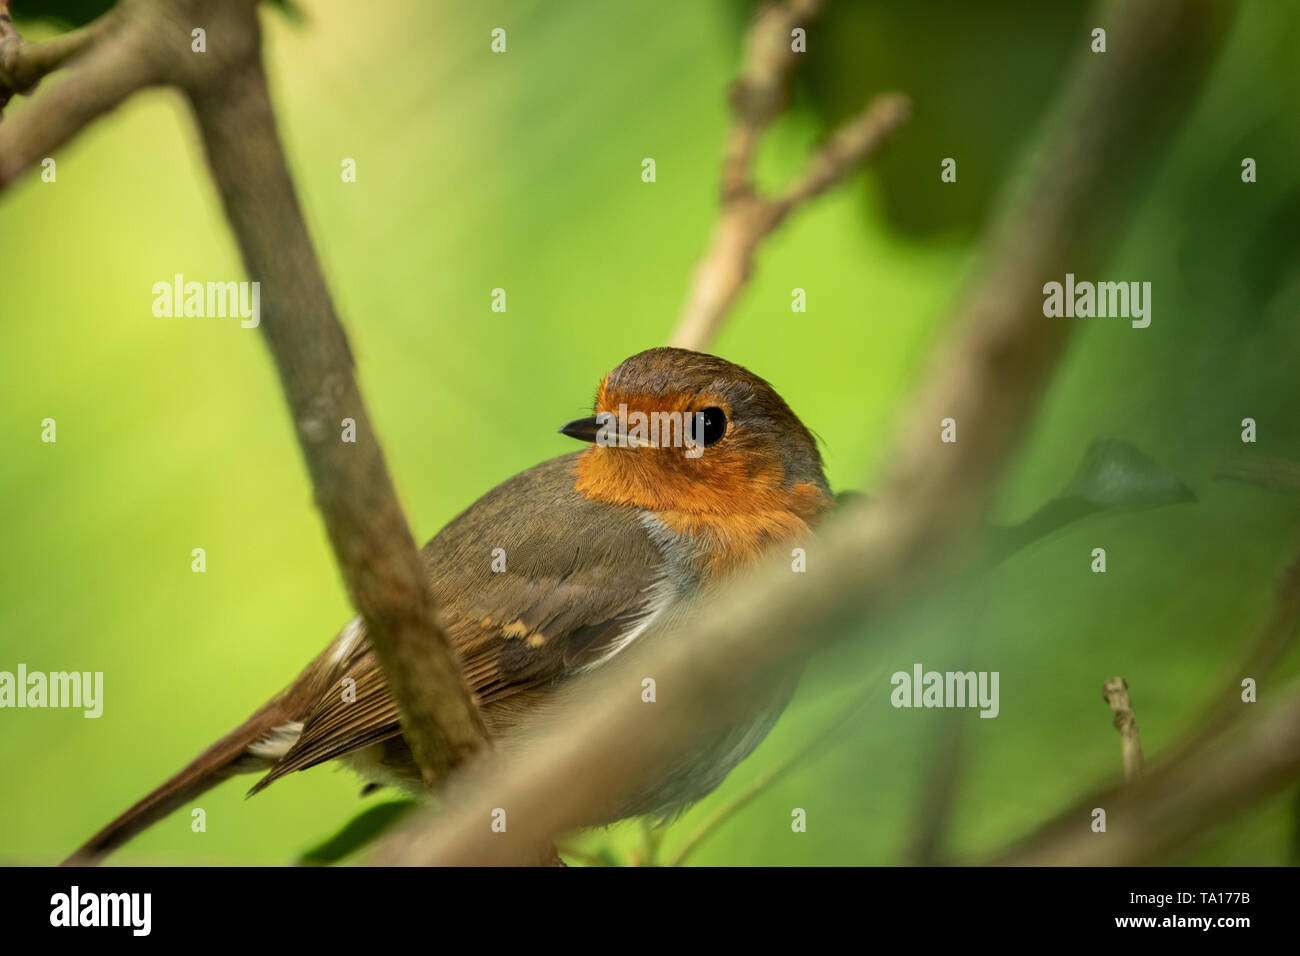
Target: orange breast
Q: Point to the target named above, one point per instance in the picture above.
(733, 507)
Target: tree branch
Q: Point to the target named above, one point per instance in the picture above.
(761, 92)
(1276, 474)
(850, 146)
(108, 73)
(226, 87)
(1274, 640)
(24, 64)
(365, 523)
(939, 792)
(747, 218)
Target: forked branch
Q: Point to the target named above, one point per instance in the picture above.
(747, 217)
(24, 64)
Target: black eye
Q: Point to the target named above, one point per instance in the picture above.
(714, 426)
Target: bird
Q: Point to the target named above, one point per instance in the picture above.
(695, 468)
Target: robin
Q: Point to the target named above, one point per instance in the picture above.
(696, 468)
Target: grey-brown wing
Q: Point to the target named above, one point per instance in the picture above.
(533, 582)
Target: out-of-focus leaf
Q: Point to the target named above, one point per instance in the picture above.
(70, 13)
(1113, 476)
(76, 13)
(980, 76)
(359, 831)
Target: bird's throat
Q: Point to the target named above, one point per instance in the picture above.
(732, 512)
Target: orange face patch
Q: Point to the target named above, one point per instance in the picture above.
(733, 499)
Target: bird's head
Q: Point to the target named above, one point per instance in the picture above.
(684, 432)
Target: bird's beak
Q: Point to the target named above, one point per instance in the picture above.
(583, 429)
(588, 429)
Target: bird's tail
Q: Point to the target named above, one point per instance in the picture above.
(227, 757)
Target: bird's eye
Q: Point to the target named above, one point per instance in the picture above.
(714, 426)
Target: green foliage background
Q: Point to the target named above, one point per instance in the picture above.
(523, 171)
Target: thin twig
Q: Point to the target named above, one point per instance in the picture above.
(1174, 801)
(746, 218)
(1115, 693)
(1222, 766)
(107, 75)
(24, 64)
(853, 143)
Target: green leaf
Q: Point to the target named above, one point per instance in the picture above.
(359, 831)
(1113, 476)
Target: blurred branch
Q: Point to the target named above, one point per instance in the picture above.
(1113, 476)
(1174, 802)
(1276, 474)
(761, 92)
(129, 58)
(938, 793)
(226, 87)
(600, 744)
(1276, 636)
(758, 96)
(1115, 693)
(1221, 769)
